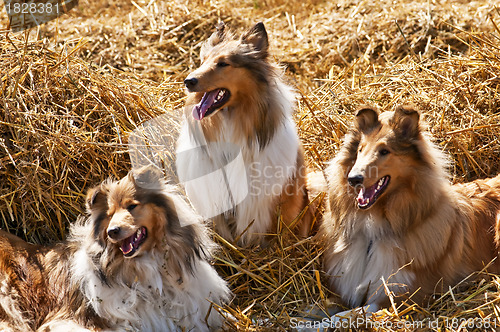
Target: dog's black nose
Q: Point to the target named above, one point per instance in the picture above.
(113, 231)
(355, 179)
(190, 82)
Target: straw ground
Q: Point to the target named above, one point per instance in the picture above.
(72, 91)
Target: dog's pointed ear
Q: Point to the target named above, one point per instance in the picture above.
(219, 35)
(147, 177)
(95, 198)
(406, 122)
(216, 38)
(257, 38)
(366, 119)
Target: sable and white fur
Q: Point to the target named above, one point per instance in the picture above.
(163, 283)
(393, 214)
(238, 153)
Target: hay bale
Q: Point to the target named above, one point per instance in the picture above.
(63, 128)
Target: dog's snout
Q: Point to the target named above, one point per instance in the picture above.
(190, 82)
(113, 231)
(355, 179)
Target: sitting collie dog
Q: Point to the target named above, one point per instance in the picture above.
(238, 153)
(139, 262)
(394, 217)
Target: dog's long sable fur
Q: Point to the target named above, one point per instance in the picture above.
(239, 110)
(139, 262)
(394, 214)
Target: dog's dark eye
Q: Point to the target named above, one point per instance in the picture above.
(222, 64)
(131, 207)
(384, 152)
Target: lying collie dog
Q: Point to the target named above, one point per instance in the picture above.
(394, 216)
(138, 262)
(238, 153)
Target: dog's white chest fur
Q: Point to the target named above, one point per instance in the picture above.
(358, 263)
(161, 304)
(237, 179)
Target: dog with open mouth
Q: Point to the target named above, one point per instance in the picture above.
(394, 216)
(138, 262)
(238, 154)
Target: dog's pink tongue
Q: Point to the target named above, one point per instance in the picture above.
(127, 245)
(201, 109)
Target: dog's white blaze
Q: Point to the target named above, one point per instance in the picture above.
(266, 171)
(356, 269)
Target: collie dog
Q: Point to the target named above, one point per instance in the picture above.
(395, 222)
(238, 153)
(139, 262)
